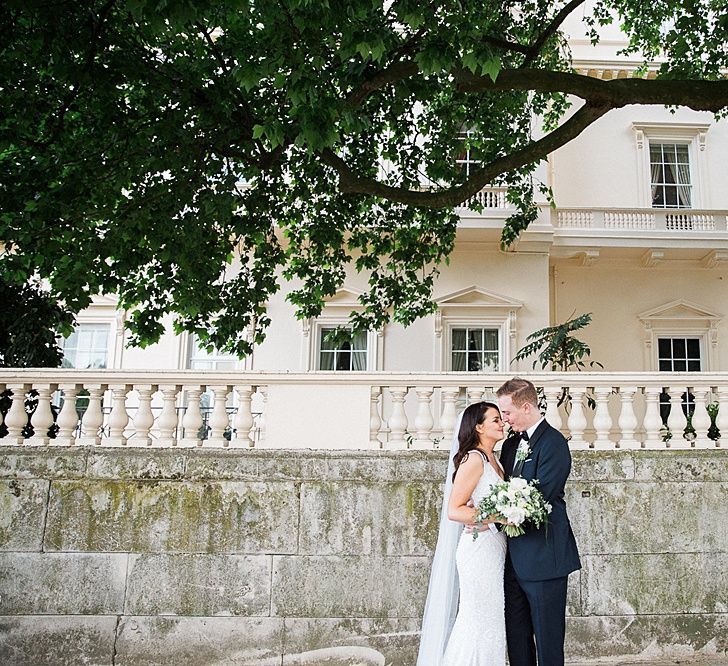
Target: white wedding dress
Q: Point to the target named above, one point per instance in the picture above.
(478, 637)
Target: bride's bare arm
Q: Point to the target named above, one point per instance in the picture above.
(467, 477)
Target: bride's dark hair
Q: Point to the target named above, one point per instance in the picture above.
(468, 435)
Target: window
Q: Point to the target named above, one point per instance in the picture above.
(670, 181)
(679, 354)
(87, 347)
(671, 160)
(201, 359)
(347, 355)
(475, 349)
(467, 159)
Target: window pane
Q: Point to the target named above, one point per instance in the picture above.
(693, 348)
(474, 361)
(359, 361)
(694, 366)
(678, 348)
(682, 154)
(670, 196)
(668, 152)
(679, 366)
(325, 343)
(491, 361)
(475, 339)
(655, 153)
(665, 366)
(327, 361)
(491, 339)
(359, 342)
(458, 361)
(458, 339)
(343, 360)
(664, 347)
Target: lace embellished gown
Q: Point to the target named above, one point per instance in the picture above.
(478, 637)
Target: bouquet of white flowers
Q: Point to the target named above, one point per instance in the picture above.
(515, 501)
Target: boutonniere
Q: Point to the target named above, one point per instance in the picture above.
(523, 452)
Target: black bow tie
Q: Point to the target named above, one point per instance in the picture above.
(524, 436)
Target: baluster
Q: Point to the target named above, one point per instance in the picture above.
(144, 418)
(243, 422)
(701, 419)
(398, 419)
(93, 417)
(449, 416)
(375, 420)
(653, 420)
(676, 419)
(219, 420)
(16, 418)
(553, 416)
(423, 419)
(577, 419)
(118, 418)
(67, 420)
(192, 420)
(602, 418)
(42, 417)
(263, 392)
(474, 394)
(627, 419)
(167, 420)
(721, 419)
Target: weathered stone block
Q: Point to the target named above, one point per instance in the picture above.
(691, 465)
(342, 642)
(46, 463)
(168, 516)
(602, 466)
(136, 463)
(22, 514)
(198, 585)
(573, 594)
(349, 586)
(657, 638)
(655, 584)
(62, 583)
(199, 641)
(254, 464)
(648, 517)
(376, 518)
(60, 640)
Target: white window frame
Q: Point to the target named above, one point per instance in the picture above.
(701, 338)
(694, 322)
(691, 176)
(313, 330)
(474, 307)
(109, 341)
(691, 134)
(103, 311)
(496, 324)
(468, 163)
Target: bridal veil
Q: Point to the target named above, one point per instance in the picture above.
(441, 606)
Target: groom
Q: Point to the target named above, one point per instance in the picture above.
(539, 562)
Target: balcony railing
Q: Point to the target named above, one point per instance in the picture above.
(640, 219)
(489, 198)
(353, 410)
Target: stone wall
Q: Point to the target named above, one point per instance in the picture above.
(116, 556)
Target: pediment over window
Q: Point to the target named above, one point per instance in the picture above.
(344, 297)
(104, 301)
(477, 297)
(680, 310)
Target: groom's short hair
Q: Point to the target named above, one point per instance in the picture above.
(520, 391)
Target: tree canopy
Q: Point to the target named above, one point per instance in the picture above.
(188, 156)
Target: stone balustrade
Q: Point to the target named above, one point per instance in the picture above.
(640, 219)
(375, 410)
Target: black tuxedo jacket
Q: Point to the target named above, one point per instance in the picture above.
(544, 553)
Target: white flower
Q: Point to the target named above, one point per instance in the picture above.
(518, 484)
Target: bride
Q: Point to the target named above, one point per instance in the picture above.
(477, 637)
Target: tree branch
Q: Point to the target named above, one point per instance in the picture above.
(697, 95)
(551, 28)
(351, 183)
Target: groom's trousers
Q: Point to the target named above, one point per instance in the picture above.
(534, 608)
